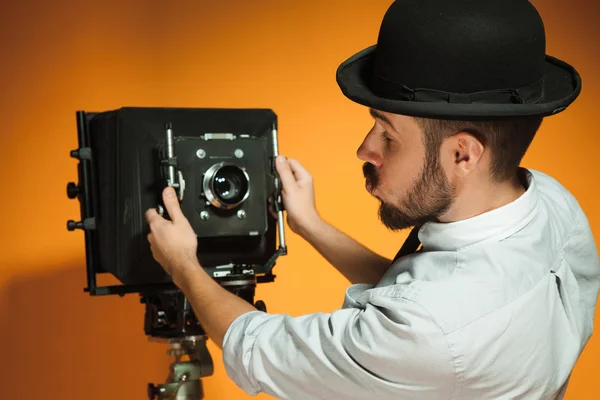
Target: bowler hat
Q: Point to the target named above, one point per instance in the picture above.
(460, 59)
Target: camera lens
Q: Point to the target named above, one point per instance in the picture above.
(230, 184)
(226, 185)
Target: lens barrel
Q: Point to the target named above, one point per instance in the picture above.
(226, 185)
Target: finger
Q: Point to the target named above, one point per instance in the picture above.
(272, 212)
(285, 173)
(151, 215)
(172, 204)
(300, 173)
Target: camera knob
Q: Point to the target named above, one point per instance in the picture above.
(84, 153)
(72, 190)
(72, 225)
(87, 224)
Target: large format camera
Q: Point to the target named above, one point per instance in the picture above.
(221, 163)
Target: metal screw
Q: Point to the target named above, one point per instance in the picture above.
(161, 317)
(239, 153)
(241, 214)
(204, 215)
(201, 153)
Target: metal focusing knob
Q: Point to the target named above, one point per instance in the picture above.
(85, 153)
(87, 224)
(72, 190)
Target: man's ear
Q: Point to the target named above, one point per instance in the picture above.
(465, 152)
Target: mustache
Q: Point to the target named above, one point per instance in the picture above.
(370, 174)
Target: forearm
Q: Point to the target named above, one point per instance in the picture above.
(353, 260)
(215, 307)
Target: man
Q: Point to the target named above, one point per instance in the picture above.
(499, 300)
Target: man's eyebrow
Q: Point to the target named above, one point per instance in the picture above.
(377, 115)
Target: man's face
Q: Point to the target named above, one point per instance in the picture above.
(410, 184)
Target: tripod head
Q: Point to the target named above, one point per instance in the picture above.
(184, 379)
(170, 319)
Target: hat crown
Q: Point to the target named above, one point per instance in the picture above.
(460, 46)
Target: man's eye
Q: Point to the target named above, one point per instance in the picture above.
(384, 136)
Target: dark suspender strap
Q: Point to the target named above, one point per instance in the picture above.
(411, 244)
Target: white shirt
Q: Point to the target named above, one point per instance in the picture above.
(498, 306)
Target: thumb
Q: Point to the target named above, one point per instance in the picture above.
(285, 173)
(172, 204)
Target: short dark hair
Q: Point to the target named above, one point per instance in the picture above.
(507, 140)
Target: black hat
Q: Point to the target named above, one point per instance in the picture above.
(460, 59)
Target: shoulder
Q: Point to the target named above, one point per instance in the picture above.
(562, 220)
(553, 195)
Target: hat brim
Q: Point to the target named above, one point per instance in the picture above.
(562, 85)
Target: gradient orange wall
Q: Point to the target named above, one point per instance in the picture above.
(62, 56)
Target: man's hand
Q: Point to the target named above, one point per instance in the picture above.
(173, 243)
(298, 195)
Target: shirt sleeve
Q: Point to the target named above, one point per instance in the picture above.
(389, 349)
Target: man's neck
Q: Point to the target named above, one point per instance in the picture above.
(475, 199)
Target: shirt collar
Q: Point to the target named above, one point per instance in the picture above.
(495, 225)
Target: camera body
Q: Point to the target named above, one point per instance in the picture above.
(221, 163)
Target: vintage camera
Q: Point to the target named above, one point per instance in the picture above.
(221, 163)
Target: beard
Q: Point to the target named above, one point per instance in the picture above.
(430, 197)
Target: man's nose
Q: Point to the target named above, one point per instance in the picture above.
(368, 152)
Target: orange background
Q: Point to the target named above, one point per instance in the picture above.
(62, 56)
